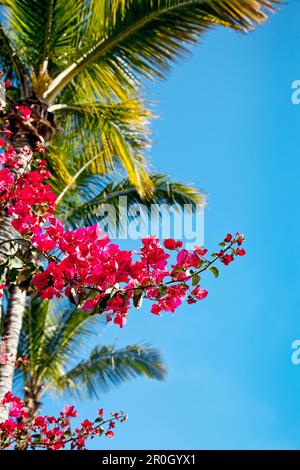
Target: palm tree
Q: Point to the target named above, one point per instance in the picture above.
(49, 340)
(79, 65)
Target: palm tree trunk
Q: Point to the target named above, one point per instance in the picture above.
(32, 407)
(12, 331)
(17, 299)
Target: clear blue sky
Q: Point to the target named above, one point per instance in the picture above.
(228, 124)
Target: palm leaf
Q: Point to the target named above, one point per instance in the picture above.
(44, 31)
(85, 204)
(107, 366)
(10, 62)
(111, 132)
(49, 331)
(69, 325)
(60, 163)
(49, 335)
(142, 37)
(34, 330)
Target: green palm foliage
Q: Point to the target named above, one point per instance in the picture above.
(87, 60)
(51, 337)
(84, 203)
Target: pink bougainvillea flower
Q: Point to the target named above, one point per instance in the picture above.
(3, 359)
(171, 244)
(25, 112)
(228, 238)
(8, 133)
(199, 293)
(156, 309)
(226, 259)
(200, 250)
(69, 412)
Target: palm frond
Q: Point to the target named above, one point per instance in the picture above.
(93, 194)
(142, 37)
(45, 31)
(107, 366)
(60, 163)
(111, 132)
(10, 62)
(69, 325)
(48, 333)
(34, 330)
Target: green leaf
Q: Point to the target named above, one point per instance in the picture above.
(101, 306)
(127, 40)
(26, 273)
(215, 271)
(73, 296)
(138, 298)
(162, 290)
(99, 420)
(12, 276)
(195, 279)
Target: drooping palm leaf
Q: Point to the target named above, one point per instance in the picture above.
(35, 325)
(51, 339)
(143, 36)
(107, 366)
(97, 51)
(49, 331)
(86, 203)
(44, 31)
(102, 134)
(10, 62)
(68, 326)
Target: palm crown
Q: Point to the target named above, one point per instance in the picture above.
(86, 59)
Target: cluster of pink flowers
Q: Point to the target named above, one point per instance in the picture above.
(50, 432)
(84, 265)
(24, 193)
(100, 277)
(93, 273)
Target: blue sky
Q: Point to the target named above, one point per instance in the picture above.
(227, 124)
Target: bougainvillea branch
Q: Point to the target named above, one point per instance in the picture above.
(95, 274)
(49, 432)
(84, 265)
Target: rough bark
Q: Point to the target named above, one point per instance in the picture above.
(32, 402)
(12, 332)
